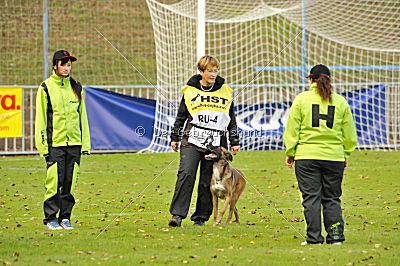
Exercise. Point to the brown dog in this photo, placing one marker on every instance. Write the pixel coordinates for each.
(226, 183)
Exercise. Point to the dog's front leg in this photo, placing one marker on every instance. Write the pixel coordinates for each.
(222, 212)
(215, 207)
(235, 211)
(231, 210)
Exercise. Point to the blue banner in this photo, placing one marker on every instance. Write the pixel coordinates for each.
(368, 106)
(119, 122)
(261, 126)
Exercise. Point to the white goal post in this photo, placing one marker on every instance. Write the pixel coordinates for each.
(265, 49)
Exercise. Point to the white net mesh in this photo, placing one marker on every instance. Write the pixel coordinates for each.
(264, 56)
(73, 25)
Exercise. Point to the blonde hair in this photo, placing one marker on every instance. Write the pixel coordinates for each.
(207, 61)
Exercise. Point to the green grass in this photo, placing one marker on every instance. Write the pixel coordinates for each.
(140, 235)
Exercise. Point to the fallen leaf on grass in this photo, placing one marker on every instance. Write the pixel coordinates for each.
(85, 252)
(366, 259)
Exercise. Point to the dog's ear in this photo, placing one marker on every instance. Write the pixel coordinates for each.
(230, 157)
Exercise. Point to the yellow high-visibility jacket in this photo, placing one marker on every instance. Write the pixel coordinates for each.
(61, 119)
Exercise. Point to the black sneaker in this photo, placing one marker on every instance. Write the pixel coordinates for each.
(175, 221)
(199, 223)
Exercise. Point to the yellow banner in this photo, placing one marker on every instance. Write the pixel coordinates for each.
(10, 112)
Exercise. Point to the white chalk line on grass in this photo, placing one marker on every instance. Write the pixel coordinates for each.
(192, 210)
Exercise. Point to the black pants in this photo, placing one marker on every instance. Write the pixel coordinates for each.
(189, 162)
(320, 183)
(62, 169)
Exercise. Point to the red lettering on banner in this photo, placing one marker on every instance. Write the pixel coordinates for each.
(10, 104)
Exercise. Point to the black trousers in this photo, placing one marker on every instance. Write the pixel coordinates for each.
(190, 157)
(62, 170)
(320, 183)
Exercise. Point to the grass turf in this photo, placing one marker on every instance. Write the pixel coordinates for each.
(142, 185)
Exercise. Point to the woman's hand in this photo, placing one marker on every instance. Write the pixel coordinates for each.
(289, 161)
(175, 145)
(235, 149)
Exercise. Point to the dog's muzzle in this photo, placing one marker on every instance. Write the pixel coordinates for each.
(213, 153)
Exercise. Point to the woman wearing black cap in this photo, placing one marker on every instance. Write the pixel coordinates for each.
(61, 134)
(320, 135)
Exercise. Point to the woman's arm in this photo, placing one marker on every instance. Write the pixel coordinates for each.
(349, 133)
(41, 122)
(180, 120)
(292, 129)
(84, 125)
(233, 131)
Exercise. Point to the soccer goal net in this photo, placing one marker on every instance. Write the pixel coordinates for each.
(265, 49)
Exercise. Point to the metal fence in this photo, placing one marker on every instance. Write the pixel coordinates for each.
(250, 95)
(26, 143)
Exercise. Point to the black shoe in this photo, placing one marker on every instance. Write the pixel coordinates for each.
(175, 221)
(199, 223)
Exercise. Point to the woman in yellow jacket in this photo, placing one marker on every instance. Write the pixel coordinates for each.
(61, 134)
(319, 137)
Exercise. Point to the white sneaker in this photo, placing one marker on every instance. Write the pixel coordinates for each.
(337, 243)
(66, 224)
(53, 226)
(305, 243)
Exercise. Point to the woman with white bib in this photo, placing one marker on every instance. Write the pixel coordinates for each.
(207, 109)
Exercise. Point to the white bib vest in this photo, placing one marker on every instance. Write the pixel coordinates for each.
(210, 113)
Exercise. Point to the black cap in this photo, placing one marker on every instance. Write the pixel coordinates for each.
(317, 70)
(62, 54)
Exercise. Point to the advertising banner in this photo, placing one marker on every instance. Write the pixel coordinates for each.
(10, 112)
(262, 126)
(119, 122)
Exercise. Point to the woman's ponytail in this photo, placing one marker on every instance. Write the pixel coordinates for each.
(324, 87)
(77, 88)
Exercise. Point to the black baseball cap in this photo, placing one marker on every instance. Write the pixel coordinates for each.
(317, 70)
(62, 54)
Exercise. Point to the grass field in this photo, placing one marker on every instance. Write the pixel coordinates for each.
(140, 235)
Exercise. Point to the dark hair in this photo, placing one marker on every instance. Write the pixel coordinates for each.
(76, 86)
(324, 87)
(63, 61)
